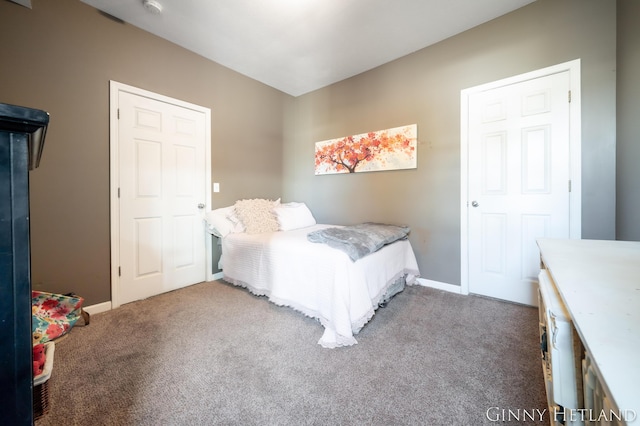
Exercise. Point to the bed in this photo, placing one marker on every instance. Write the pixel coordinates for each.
(315, 279)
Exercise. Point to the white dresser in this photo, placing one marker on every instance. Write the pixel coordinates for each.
(598, 283)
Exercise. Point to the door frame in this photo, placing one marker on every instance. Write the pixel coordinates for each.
(575, 154)
(114, 176)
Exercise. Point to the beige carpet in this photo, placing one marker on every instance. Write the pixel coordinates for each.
(213, 354)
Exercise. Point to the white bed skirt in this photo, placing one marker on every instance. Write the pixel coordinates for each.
(315, 279)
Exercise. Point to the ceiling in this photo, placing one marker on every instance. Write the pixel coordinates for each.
(298, 46)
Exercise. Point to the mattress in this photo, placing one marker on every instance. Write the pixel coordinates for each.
(315, 279)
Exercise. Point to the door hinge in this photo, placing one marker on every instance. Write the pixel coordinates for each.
(569, 185)
(118, 192)
(569, 96)
(118, 113)
(119, 271)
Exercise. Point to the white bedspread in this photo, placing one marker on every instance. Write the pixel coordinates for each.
(315, 279)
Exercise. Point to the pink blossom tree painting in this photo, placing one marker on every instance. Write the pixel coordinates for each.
(389, 149)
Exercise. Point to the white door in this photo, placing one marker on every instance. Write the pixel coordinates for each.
(162, 191)
(518, 182)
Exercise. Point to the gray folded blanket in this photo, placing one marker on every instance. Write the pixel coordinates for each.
(359, 240)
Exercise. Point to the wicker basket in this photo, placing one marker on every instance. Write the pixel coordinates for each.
(41, 384)
(40, 400)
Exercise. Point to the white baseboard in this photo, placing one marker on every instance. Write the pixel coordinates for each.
(100, 307)
(217, 276)
(440, 285)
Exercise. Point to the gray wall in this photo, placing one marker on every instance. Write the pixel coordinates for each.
(628, 107)
(59, 57)
(424, 88)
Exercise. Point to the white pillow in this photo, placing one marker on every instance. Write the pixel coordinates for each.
(235, 220)
(292, 216)
(218, 222)
(257, 215)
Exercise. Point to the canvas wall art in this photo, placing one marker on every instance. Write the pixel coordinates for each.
(389, 149)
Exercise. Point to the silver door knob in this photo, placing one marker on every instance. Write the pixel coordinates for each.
(201, 206)
(475, 204)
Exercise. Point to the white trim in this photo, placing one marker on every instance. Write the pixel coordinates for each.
(216, 276)
(464, 169)
(575, 153)
(439, 285)
(96, 309)
(114, 89)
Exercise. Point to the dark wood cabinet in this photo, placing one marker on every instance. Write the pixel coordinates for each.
(22, 132)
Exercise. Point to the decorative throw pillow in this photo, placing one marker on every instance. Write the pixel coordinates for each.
(53, 315)
(257, 215)
(292, 216)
